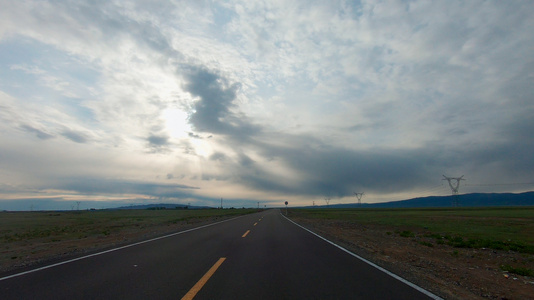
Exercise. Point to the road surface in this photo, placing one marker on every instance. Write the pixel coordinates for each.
(258, 256)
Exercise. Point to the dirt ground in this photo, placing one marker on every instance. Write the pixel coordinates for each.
(451, 273)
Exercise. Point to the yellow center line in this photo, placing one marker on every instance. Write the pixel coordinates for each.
(255, 223)
(196, 288)
(244, 235)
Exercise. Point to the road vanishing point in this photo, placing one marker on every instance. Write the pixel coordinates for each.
(257, 256)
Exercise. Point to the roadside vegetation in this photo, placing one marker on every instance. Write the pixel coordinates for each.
(457, 253)
(16, 226)
(508, 228)
(29, 237)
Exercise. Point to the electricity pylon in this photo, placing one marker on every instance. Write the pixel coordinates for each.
(454, 188)
(327, 201)
(359, 196)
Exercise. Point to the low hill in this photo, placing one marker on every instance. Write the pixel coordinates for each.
(162, 206)
(466, 200)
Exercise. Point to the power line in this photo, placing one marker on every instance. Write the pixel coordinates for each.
(454, 187)
(442, 188)
(432, 189)
(499, 184)
(359, 196)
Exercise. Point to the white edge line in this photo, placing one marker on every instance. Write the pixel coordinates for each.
(420, 289)
(111, 250)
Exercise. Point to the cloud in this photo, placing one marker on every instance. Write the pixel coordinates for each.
(39, 133)
(218, 156)
(213, 111)
(323, 170)
(283, 99)
(158, 141)
(193, 135)
(103, 186)
(74, 136)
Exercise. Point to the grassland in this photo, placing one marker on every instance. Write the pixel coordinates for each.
(31, 237)
(457, 253)
(509, 228)
(54, 226)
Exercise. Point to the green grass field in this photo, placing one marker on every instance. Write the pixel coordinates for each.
(58, 226)
(505, 228)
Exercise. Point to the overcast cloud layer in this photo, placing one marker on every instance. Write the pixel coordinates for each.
(192, 101)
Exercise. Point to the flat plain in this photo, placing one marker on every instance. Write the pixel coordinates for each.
(460, 253)
(31, 238)
(457, 253)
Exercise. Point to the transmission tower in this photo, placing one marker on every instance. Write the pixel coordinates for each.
(359, 196)
(327, 201)
(454, 188)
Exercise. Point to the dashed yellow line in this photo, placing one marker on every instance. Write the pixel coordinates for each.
(255, 223)
(196, 288)
(244, 235)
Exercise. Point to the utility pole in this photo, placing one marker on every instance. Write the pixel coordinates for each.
(221, 204)
(359, 196)
(454, 188)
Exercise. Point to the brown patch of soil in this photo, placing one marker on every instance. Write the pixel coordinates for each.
(451, 273)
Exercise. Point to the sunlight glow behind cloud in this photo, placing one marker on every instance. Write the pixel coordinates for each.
(129, 101)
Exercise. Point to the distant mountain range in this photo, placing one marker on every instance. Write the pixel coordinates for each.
(466, 200)
(159, 206)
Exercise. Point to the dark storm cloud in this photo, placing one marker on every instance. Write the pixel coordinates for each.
(336, 171)
(213, 110)
(516, 146)
(322, 169)
(328, 170)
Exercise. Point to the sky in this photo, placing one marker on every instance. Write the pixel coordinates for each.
(111, 103)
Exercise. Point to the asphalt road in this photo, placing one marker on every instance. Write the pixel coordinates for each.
(259, 256)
